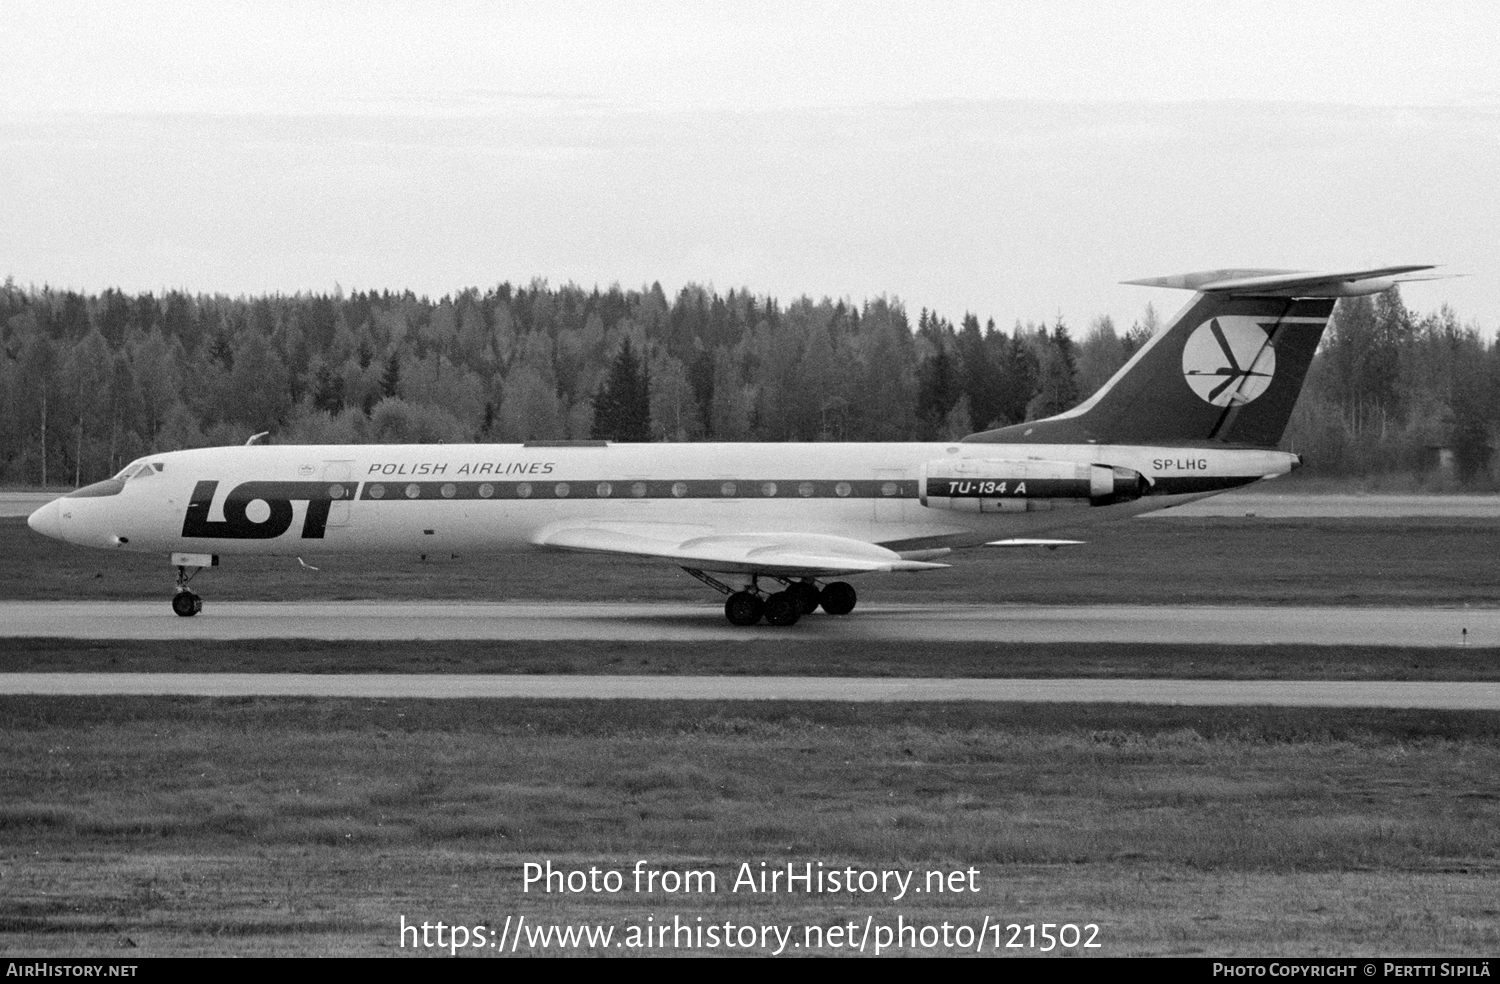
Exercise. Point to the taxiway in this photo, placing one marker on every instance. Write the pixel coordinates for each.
(1272, 693)
(704, 622)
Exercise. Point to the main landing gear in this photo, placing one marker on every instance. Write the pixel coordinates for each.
(751, 603)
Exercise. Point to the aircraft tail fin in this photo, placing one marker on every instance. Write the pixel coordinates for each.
(1228, 370)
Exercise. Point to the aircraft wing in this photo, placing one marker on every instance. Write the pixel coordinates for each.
(702, 548)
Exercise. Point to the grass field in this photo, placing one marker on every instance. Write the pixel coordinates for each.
(760, 657)
(148, 827)
(295, 826)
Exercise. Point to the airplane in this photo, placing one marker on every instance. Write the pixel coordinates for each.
(1197, 410)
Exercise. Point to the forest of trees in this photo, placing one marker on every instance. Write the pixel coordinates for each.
(89, 382)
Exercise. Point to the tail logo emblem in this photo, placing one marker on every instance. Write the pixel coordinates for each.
(1228, 360)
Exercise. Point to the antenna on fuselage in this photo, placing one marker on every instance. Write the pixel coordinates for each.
(256, 437)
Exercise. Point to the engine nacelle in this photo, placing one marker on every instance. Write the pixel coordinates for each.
(981, 485)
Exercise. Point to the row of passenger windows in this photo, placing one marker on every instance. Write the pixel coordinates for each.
(605, 490)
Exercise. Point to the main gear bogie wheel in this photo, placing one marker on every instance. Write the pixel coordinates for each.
(806, 594)
(782, 608)
(743, 608)
(838, 598)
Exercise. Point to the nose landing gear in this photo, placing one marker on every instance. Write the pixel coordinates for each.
(186, 602)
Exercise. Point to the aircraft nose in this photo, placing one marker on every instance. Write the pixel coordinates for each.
(48, 520)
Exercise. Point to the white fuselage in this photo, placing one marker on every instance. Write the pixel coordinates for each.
(499, 497)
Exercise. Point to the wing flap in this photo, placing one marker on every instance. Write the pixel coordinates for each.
(786, 554)
(1049, 544)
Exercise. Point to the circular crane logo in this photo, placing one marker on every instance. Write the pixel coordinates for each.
(1228, 360)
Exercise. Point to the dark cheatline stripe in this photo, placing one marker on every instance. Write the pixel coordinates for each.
(398, 491)
(1031, 488)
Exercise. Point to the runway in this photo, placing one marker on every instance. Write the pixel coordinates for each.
(1296, 505)
(15, 504)
(705, 622)
(1425, 695)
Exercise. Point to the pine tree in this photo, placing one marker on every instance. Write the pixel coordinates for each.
(1141, 331)
(622, 410)
(938, 391)
(1099, 355)
(328, 388)
(1057, 383)
(982, 380)
(390, 380)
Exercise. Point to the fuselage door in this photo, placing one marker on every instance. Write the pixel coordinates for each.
(340, 478)
(890, 505)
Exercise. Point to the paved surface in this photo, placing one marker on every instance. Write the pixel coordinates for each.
(1281, 506)
(640, 622)
(13, 504)
(1456, 696)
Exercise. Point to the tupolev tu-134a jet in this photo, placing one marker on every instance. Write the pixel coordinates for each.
(1197, 410)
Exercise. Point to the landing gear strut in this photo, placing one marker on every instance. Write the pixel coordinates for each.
(185, 603)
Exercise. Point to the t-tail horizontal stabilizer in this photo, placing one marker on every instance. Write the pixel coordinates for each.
(1289, 283)
(1225, 373)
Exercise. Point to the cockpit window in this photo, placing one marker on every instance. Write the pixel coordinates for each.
(139, 469)
(116, 485)
(110, 486)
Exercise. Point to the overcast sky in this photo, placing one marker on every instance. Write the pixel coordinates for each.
(1015, 160)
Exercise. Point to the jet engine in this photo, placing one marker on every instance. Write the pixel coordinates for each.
(990, 486)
